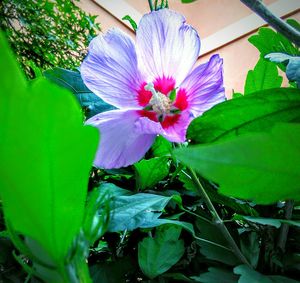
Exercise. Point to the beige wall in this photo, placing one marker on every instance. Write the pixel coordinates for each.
(207, 16)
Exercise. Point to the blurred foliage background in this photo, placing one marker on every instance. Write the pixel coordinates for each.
(45, 34)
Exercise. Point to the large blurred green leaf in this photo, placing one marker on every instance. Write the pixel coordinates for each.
(263, 76)
(256, 112)
(43, 185)
(159, 254)
(264, 167)
(73, 81)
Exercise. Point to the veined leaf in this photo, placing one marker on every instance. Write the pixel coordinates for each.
(263, 76)
(150, 172)
(255, 167)
(159, 254)
(253, 113)
(42, 138)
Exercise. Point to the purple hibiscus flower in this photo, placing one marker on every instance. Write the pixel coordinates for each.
(152, 83)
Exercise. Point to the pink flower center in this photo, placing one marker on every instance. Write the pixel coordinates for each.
(161, 101)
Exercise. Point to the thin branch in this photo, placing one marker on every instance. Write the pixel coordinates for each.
(278, 24)
(217, 219)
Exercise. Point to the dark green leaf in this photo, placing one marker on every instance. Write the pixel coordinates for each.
(237, 205)
(159, 254)
(264, 76)
(250, 275)
(112, 272)
(254, 167)
(256, 112)
(250, 247)
(214, 246)
(214, 275)
(150, 172)
(73, 81)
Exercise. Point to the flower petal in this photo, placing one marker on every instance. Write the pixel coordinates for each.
(166, 46)
(204, 86)
(175, 127)
(110, 69)
(122, 143)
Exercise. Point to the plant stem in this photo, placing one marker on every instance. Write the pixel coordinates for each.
(284, 229)
(150, 5)
(217, 219)
(278, 24)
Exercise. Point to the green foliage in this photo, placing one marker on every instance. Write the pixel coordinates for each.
(150, 172)
(264, 76)
(259, 111)
(46, 33)
(161, 147)
(250, 167)
(157, 255)
(213, 245)
(129, 212)
(175, 230)
(250, 275)
(72, 81)
(214, 275)
(43, 147)
(269, 41)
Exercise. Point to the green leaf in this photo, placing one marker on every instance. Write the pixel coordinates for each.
(268, 41)
(250, 247)
(159, 254)
(213, 245)
(134, 211)
(294, 23)
(95, 224)
(112, 272)
(214, 275)
(250, 275)
(161, 147)
(264, 76)
(264, 167)
(236, 205)
(131, 21)
(260, 220)
(150, 172)
(267, 221)
(42, 139)
(72, 81)
(253, 113)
